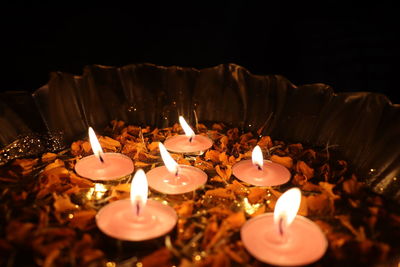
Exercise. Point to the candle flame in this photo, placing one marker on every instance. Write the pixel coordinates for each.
(169, 162)
(257, 157)
(96, 147)
(186, 128)
(139, 192)
(286, 208)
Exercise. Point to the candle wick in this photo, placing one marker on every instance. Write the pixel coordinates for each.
(137, 208)
(281, 226)
(259, 167)
(101, 159)
(190, 139)
(177, 173)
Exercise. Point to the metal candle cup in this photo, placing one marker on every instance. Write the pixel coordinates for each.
(103, 166)
(136, 219)
(181, 144)
(174, 178)
(272, 239)
(118, 220)
(190, 143)
(260, 172)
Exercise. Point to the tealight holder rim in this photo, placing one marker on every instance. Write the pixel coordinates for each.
(299, 217)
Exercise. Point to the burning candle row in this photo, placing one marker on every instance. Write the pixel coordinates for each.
(280, 238)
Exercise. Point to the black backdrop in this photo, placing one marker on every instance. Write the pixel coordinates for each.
(350, 47)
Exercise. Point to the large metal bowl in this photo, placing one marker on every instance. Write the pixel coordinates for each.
(364, 126)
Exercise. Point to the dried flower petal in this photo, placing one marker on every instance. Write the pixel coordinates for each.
(49, 157)
(83, 219)
(212, 155)
(265, 142)
(62, 203)
(221, 193)
(352, 186)
(256, 195)
(225, 173)
(285, 161)
(160, 258)
(185, 209)
(304, 169)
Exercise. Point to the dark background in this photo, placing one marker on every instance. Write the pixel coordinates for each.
(350, 47)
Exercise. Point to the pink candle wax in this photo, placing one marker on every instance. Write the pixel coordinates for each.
(303, 243)
(271, 173)
(119, 221)
(189, 179)
(114, 166)
(182, 144)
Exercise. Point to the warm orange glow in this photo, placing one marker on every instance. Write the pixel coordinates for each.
(257, 157)
(94, 142)
(139, 192)
(169, 162)
(186, 128)
(287, 206)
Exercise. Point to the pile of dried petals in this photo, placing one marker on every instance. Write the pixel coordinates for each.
(47, 218)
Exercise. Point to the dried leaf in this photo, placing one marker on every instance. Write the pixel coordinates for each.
(80, 182)
(203, 165)
(159, 258)
(62, 203)
(237, 253)
(319, 204)
(299, 179)
(49, 157)
(352, 186)
(236, 220)
(220, 212)
(83, 219)
(295, 149)
(328, 188)
(285, 161)
(76, 148)
(212, 155)
(225, 173)
(304, 169)
(265, 143)
(256, 195)
(139, 164)
(87, 148)
(345, 221)
(24, 166)
(51, 257)
(185, 209)
(109, 144)
(223, 142)
(19, 232)
(221, 193)
(153, 146)
(237, 188)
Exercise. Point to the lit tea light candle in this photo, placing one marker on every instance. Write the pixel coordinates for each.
(174, 178)
(137, 218)
(260, 172)
(188, 143)
(103, 166)
(284, 238)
